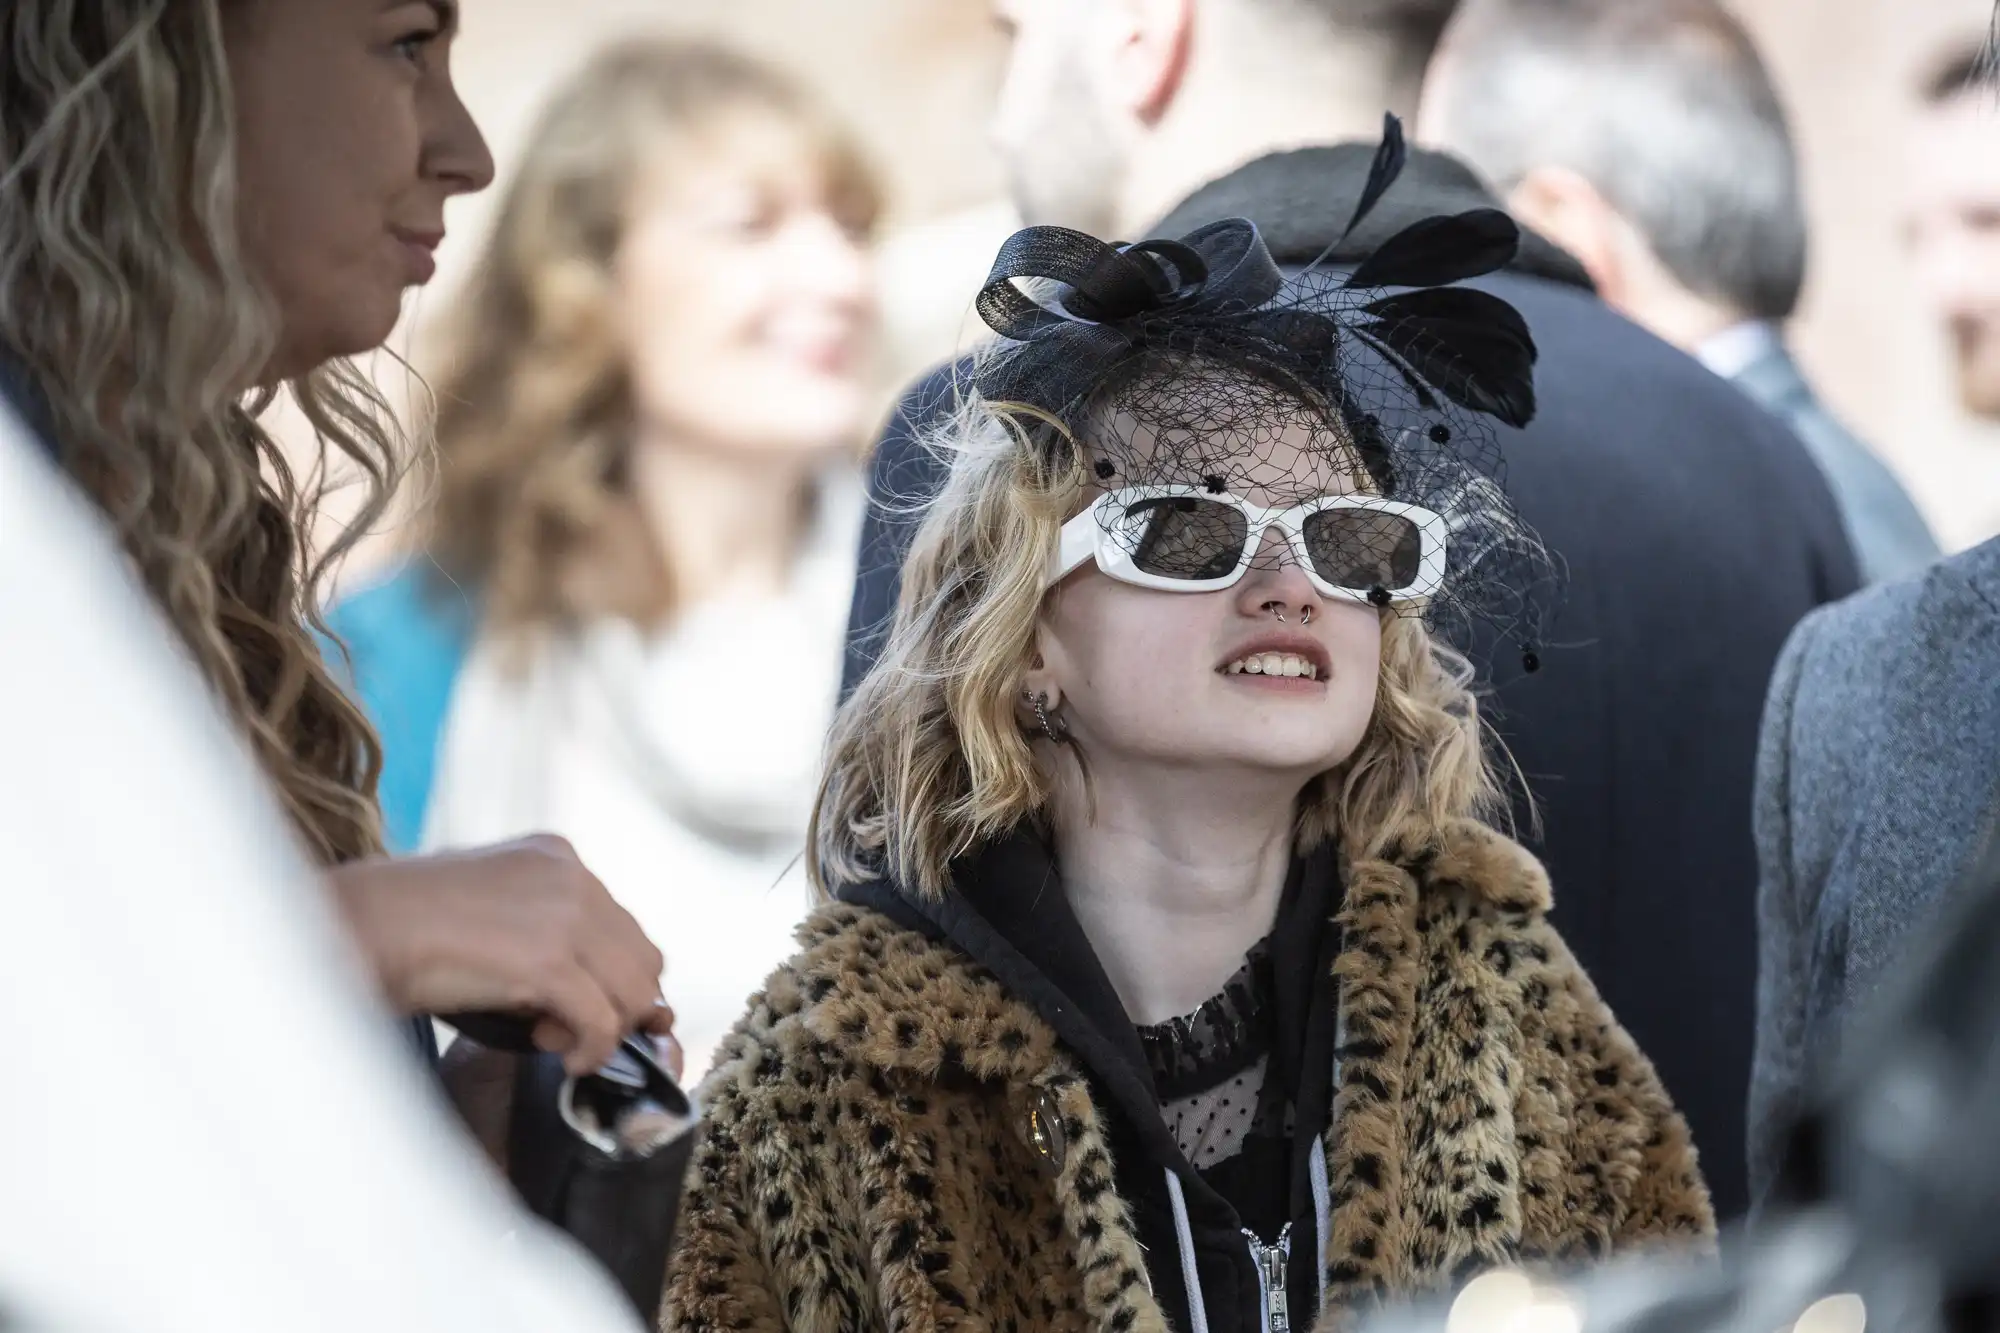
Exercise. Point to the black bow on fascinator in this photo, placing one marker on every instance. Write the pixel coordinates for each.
(1199, 361)
(1097, 302)
(1221, 269)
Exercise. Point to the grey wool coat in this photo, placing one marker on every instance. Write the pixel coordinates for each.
(1878, 787)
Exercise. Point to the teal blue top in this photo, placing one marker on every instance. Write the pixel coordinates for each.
(406, 638)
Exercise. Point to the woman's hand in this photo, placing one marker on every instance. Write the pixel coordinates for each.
(522, 927)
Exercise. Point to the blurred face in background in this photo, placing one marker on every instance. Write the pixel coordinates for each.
(1052, 127)
(1954, 234)
(745, 295)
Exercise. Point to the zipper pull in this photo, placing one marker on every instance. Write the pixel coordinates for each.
(1272, 1262)
(1277, 1258)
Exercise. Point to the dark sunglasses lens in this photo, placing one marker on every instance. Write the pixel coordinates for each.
(1185, 537)
(1364, 548)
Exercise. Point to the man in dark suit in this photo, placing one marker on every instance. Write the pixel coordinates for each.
(1696, 529)
(1679, 194)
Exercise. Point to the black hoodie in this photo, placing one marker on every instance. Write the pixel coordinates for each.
(1008, 912)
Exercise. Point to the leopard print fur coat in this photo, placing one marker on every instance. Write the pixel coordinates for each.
(896, 1143)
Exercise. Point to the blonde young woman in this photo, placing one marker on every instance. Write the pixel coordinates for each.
(1173, 979)
(626, 622)
(204, 203)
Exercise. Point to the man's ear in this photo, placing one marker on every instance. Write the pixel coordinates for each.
(1562, 206)
(1149, 43)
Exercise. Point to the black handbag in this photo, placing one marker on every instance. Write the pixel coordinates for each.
(603, 1156)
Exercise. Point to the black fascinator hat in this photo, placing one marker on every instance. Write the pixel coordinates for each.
(1199, 363)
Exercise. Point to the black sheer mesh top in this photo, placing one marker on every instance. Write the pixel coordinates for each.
(1209, 1070)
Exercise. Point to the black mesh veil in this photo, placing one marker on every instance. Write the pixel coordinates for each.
(1197, 366)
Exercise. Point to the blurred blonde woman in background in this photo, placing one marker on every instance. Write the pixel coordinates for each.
(626, 622)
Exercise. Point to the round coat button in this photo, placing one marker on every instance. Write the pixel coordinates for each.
(1045, 1130)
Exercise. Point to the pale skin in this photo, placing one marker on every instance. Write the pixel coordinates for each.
(1176, 867)
(1567, 208)
(748, 305)
(354, 139)
(1952, 226)
(1113, 111)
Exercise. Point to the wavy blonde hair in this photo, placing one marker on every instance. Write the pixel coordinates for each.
(125, 294)
(535, 410)
(927, 760)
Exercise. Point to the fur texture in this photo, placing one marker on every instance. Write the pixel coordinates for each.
(869, 1162)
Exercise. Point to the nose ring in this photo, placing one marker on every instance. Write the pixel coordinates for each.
(1305, 615)
(1277, 609)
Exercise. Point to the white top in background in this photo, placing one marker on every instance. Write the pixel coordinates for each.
(682, 766)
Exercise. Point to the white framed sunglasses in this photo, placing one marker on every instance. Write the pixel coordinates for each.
(1188, 539)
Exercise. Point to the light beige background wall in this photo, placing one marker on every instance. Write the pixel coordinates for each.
(915, 76)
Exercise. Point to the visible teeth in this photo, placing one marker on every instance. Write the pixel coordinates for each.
(1274, 664)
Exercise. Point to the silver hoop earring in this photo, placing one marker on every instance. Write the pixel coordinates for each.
(1056, 737)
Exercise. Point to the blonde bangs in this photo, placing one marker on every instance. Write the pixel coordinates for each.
(774, 142)
(928, 760)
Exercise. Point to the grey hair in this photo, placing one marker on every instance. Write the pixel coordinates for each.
(1404, 34)
(1665, 107)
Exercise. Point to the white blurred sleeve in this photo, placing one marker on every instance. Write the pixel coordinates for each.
(206, 1125)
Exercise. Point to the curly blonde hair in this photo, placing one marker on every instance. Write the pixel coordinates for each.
(125, 294)
(535, 409)
(927, 760)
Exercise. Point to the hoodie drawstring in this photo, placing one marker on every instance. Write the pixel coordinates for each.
(1322, 1217)
(1184, 1234)
(1197, 1312)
